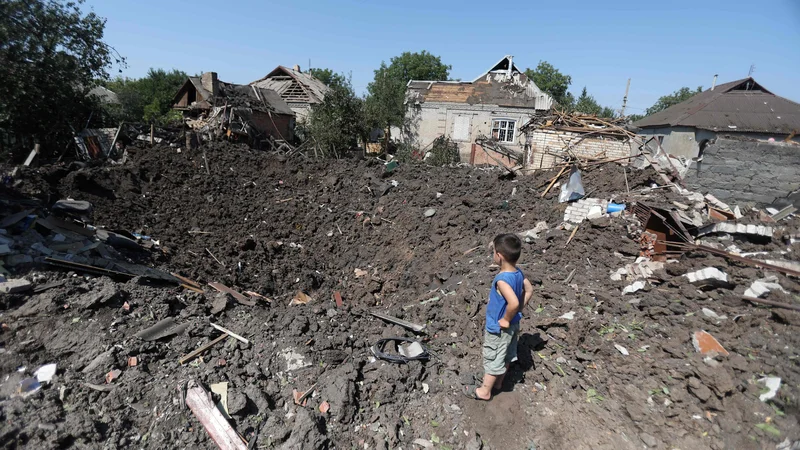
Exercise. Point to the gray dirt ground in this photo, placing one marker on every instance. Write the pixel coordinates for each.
(281, 226)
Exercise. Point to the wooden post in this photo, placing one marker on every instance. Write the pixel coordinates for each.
(152, 131)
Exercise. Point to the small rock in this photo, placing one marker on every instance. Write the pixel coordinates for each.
(622, 349)
(569, 316)
(648, 440)
(423, 443)
(711, 314)
(219, 303)
(561, 360)
(429, 212)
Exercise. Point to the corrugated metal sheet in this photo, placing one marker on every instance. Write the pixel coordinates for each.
(730, 107)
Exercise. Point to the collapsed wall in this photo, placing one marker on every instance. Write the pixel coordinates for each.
(747, 171)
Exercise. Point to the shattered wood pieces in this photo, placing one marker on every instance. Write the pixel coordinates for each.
(574, 231)
(408, 325)
(707, 345)
(199, 402)
(337, 298)
(300, 398)
(192, 355)
(771, 303)
(230, 333)
(301, 298)
(236, 295)
(100, 387)
(86, 268)
(215, 258)
(257, 296)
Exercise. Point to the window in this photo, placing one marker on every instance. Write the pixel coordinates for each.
(503, 130)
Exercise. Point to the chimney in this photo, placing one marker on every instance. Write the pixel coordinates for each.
(714, 83)
(210, 83)
(296, 67)
(510, 65)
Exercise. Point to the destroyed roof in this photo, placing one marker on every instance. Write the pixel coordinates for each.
(503, 85)
(242, 95)
(293, 86)
(742, 105)
(104, 94)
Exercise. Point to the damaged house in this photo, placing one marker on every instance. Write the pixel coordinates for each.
(741, 109)
(300, 90)
(213, 108)
(742, 139)
(491, 108)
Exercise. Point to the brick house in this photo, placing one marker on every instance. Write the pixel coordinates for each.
(213, 107)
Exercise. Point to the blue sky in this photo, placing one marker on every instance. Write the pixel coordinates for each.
(660, 45)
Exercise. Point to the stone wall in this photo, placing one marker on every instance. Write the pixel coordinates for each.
(746, 171)
(543, 142)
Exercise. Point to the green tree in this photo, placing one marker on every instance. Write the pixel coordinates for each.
(676, 97)
(586, 104)
(328, 76)
(385, 104)
(418, 66)
(51, 53)
(337, 123)
(553, 82)
(148, 99)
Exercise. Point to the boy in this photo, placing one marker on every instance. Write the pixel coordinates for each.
(503, 314)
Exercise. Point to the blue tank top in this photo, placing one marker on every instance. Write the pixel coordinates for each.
(496, 308)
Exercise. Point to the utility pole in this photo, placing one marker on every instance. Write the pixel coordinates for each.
(625, 99)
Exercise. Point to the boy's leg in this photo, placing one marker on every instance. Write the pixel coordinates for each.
(511, 354)
(494, 353)
(484, 391)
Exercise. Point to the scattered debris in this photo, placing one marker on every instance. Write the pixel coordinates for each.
(300, 397)
(772, 384)
(192, 355)
(621, 349)
(221, 432)
(324, 407)
(409, 325)
(15, 286)
(221, 389)
(413, 351)
(710, 276)
(113, 375)
(45, 373)
(301, 298)
(761, 287)
(230, 333)
(568, 316)
(711, 314)
(636, 286)
(236, 295)
(163, 328)
(706, 344)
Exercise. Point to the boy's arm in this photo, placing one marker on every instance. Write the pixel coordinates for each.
(528, 292)
(512, 303)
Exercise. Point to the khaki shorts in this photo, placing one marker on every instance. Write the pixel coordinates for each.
(500, 349)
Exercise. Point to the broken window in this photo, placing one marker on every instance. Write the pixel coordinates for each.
(503, 130)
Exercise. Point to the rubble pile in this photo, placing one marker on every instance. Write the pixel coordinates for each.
(340, 304)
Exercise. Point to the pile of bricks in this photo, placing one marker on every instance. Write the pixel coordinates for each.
(585, 208)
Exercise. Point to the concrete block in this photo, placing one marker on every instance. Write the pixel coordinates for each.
(15, 286)
(706, 276)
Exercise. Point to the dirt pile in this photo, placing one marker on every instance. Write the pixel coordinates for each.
(409, 242)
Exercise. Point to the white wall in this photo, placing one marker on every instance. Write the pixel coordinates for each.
(431, 120)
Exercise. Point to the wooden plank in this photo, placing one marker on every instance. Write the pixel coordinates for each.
(554, 181)
(192, 355)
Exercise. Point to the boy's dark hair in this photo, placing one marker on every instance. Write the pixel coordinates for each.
(509, 245)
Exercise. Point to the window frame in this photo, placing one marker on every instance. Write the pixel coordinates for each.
(513, 128)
